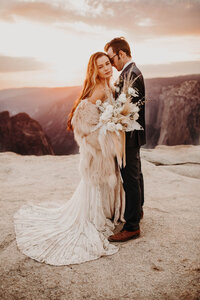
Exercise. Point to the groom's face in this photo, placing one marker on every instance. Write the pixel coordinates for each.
(116, 60)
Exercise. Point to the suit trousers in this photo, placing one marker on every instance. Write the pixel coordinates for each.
(134, 188)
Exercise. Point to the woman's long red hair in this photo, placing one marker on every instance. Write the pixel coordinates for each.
(90, 82)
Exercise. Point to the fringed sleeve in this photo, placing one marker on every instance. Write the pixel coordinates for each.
(98, 150)
(85, 118)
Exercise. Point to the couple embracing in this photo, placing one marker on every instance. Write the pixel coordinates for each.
(111, 188)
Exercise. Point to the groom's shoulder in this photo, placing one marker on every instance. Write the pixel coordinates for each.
(131, 70)
(135, 70)
(136, 74)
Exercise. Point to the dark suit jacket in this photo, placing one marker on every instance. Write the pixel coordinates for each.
(135, 138)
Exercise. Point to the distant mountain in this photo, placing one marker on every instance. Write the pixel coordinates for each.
(50, 107)
(34, 101)
(54, 123)
(23, 135)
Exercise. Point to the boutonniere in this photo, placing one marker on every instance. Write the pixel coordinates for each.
(119, 84)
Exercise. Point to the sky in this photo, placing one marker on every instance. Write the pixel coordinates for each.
(48, 42)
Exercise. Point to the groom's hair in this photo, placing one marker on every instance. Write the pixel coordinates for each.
(118, 44)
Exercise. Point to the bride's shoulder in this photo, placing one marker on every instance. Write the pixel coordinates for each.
(85, 110)
(85, 104)
(85, 116)
(98, 93)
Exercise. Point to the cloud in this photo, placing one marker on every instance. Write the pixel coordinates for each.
(141, 18)
(35, 11)
(19, 64)
(149, 18)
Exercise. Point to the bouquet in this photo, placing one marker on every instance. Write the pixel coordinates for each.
(118, 116)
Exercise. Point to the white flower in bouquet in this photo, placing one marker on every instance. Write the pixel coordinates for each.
(105, 104)
(105, 116)
(117, 89)
(122, 98)
(132, 92)
(134, 116)
(115, 119)
(119, 126)
(111, 126)
(107, 113)
(117, 110)
(134, 108)
(98, 102)
(109, 108)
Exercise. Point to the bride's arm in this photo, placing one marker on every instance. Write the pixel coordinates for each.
(85, 118)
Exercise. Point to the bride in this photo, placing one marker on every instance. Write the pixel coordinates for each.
(78, 230)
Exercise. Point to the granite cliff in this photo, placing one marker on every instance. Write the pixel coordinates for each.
(180, 122)
(23, 135)
(172, 114)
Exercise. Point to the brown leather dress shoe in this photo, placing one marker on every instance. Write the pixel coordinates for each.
(124, 236)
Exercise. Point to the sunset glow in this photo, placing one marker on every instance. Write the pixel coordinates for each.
(48, 43)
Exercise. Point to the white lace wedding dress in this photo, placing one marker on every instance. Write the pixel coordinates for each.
(77, 231)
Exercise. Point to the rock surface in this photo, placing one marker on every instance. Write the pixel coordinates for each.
(162, 264)
(23, 135)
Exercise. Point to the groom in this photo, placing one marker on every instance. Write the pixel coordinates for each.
(120, 56)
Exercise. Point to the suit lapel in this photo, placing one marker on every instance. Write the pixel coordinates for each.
(131, 65)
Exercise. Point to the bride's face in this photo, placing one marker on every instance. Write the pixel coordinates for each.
(104, 67)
